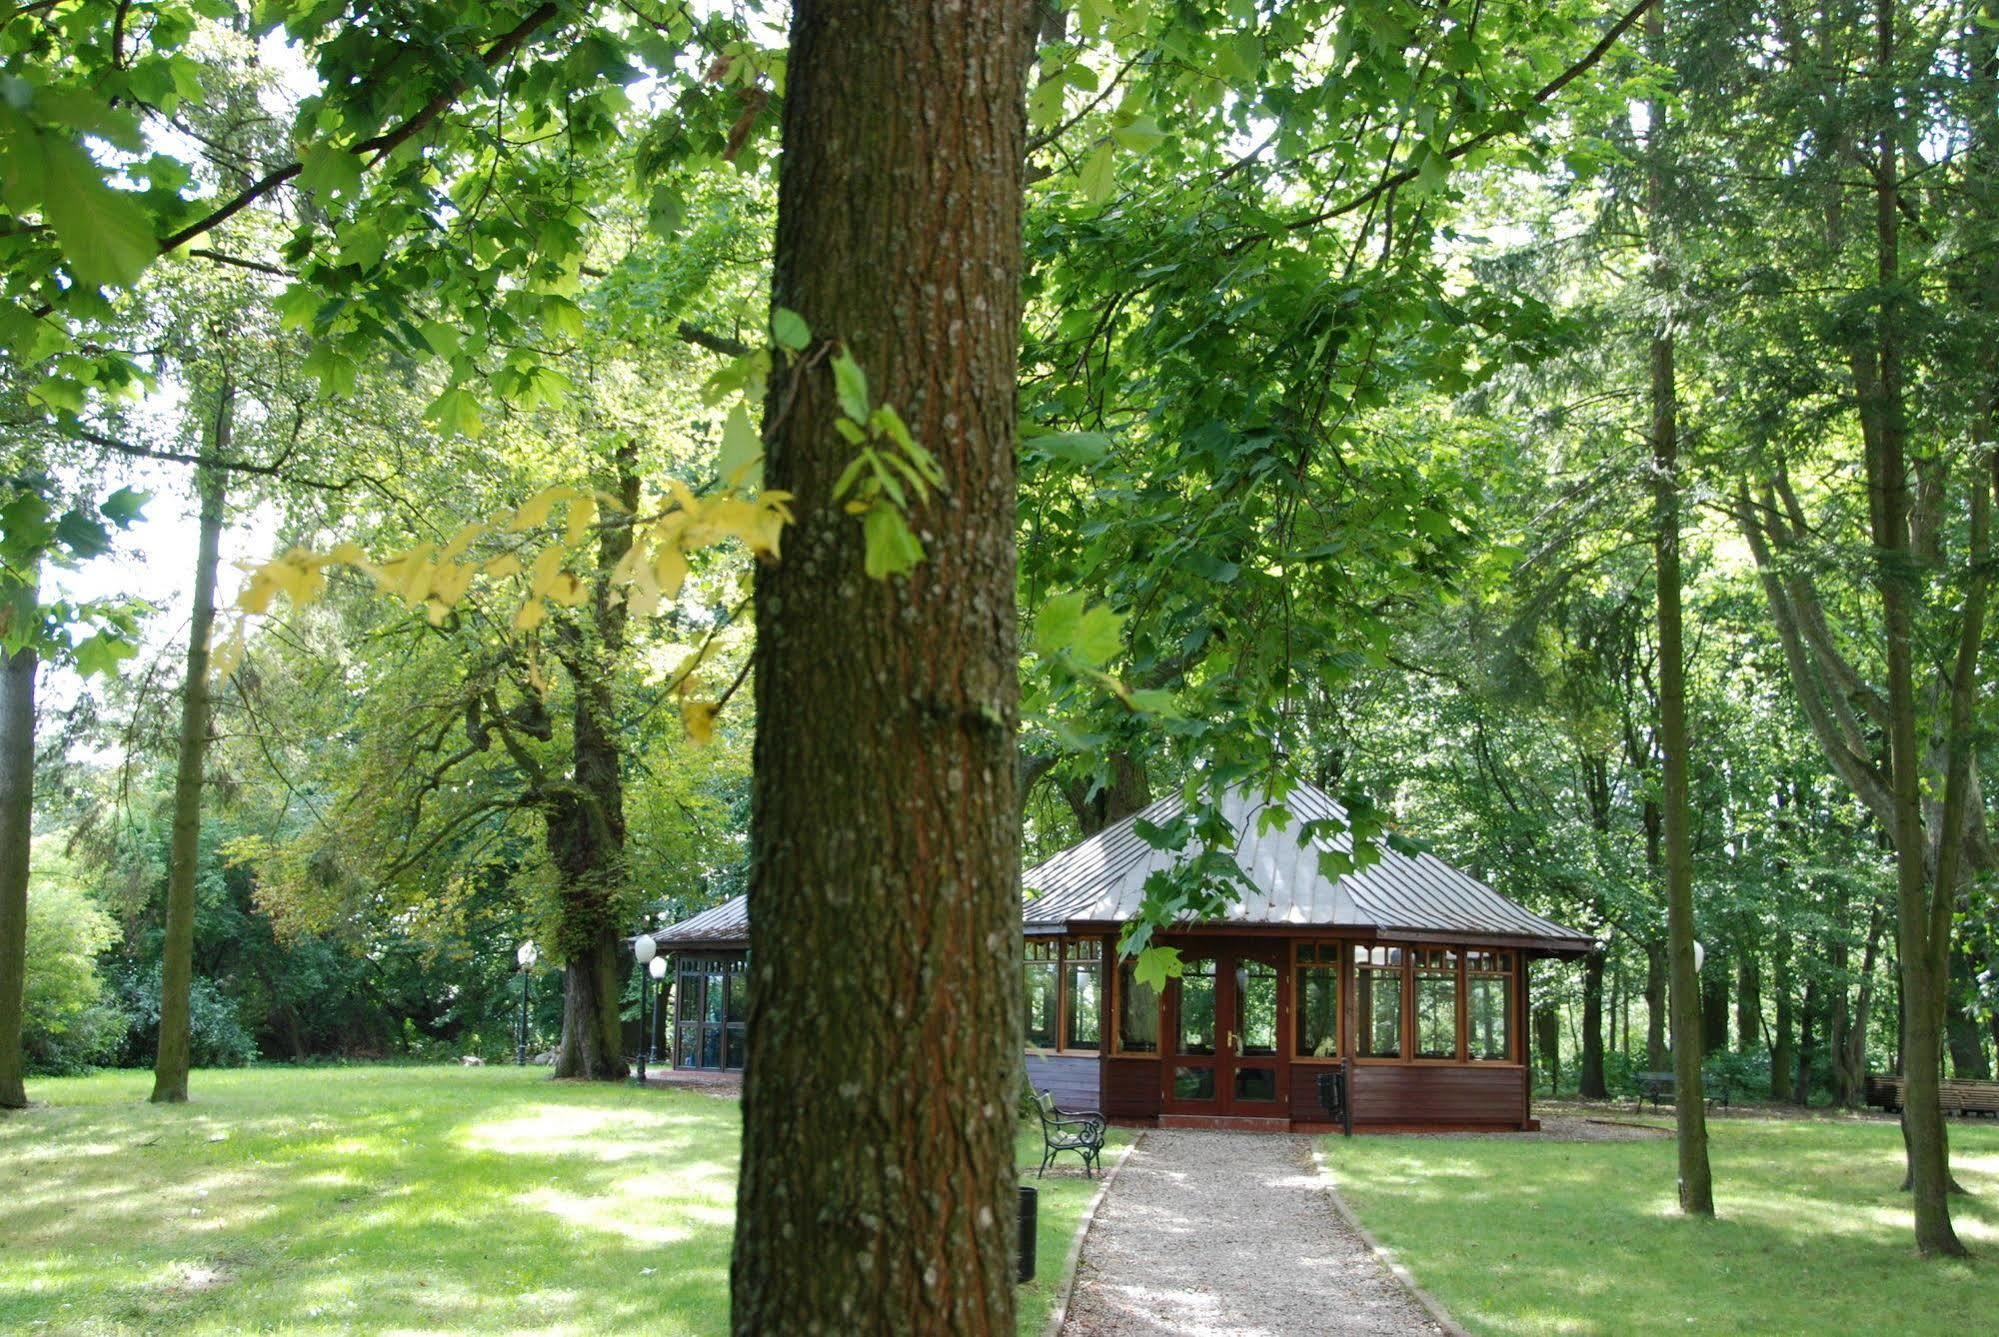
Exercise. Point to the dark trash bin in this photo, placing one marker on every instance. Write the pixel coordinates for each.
(1030, 1213)
(1333, 1098)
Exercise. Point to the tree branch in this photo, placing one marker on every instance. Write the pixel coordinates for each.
(1458, 150)
(380, 145)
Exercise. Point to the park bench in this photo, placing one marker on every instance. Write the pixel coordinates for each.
(1080, 1131)
(1658, 1087)
(1957, 1095)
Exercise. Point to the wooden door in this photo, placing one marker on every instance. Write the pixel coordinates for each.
(1256, 1072)
(1222, 1046)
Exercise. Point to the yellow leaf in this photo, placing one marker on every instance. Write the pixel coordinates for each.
(546, 568)
(348, 554)
(582, 515)
(669, 571)
(699, 719)
(503, 566)
(534, 511)
(530, 616)
(460, 542)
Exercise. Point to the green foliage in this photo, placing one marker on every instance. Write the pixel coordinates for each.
(68, 1024)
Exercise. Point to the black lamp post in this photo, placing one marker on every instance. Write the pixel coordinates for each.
(527, 955)
(647, 952)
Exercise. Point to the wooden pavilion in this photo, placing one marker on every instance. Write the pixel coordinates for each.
(1409, 975)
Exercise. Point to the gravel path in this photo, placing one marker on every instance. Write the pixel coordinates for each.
(1229, 1233)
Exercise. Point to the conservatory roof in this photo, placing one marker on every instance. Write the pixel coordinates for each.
(1099, 883)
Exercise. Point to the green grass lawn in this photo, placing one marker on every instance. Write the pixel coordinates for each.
(1519, 1237)
(415, 1199)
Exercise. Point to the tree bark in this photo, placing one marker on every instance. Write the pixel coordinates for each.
(1714, 1007)
(1962, 1023)
(17, 813)
(1589, 1072)
(1656, 1056)
(1878, 377)
(1783, 1044)
(1696, 1181)
(1748, 1001)
(1807, 1011)
(586, 819)
(1548, 1044)
(885, 829)
(170, 1065)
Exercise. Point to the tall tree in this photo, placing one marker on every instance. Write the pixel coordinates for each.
(177, 962)
(1696, 1180)
(17, 801)
(885, 826)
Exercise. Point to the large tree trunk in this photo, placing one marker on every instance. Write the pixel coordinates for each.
(17, 812)
(1656, 1055)
(1748, 1001)
(1807, 1012)
(1783, 1044)
(1589, 1071)
(170, 1065)
(1924, 951)
(586, 819)
(1696, 1182)
(885, 829)
(1548, 1044)
(1965, 1034)
(1714, 1007)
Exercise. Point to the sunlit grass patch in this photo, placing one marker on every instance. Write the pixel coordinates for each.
(1814, 1236)
(321, 1201)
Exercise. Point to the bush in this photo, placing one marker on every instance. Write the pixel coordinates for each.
(217, 1036)
(67, 1025)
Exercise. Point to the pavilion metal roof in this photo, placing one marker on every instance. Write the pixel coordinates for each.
(1100, 882)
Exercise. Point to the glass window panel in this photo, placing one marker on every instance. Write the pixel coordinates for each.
(689, 1052)
(1197, 1008)
(739, 987)
(1378, 1013)
(1193, 1083)
(690, 998)
(711, 1046)
(1138, 1012)
(1318, 1007)
(1489, 1016)
(1041, 979)
(1256, 1007)
(1084, 1004)
(1436, 1014)
(1256, 1083)
(716, 988)
(734, 1058)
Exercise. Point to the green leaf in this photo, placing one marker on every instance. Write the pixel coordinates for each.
(100, 654)
(82, 535)
(106, 234)
(1142, 136)
(790, 330)
(1099, 635)
(1155, 966)
(1055, 625)
(1097, 177)
(1085, 448)
(124, 506)
(741, 462)
(891, 549)
(456, 412)
(329, 170)
(852, 384)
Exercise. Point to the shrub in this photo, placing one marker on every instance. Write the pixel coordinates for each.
(217, 1036)
(67, 1024)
